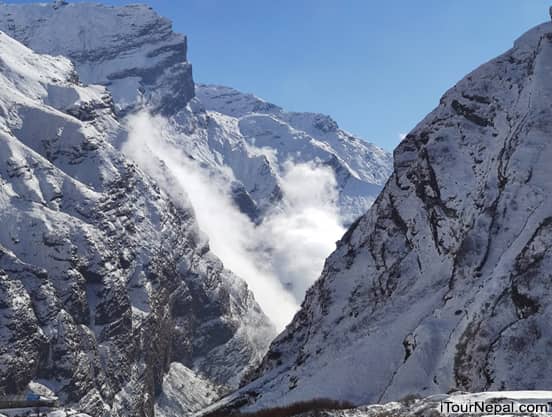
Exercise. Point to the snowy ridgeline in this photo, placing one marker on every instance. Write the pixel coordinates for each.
(361, 168)
(141, 57)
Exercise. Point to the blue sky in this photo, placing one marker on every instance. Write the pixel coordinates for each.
(377, 67)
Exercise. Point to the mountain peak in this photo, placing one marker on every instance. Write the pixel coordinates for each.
(130, 48)
(228, 100)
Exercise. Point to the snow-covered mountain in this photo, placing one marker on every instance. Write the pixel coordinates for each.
(134, 52)
(445, 282)
(297, 177)
(361, 168)
(130, 49)
(109, 295)
(111, 299)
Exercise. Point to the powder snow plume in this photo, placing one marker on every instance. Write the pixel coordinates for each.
(279, 258)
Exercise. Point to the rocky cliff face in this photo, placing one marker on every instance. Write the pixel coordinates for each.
(106, 284)
(445, 282)
(130, 49)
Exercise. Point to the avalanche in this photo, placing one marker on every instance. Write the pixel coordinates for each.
(245, 146)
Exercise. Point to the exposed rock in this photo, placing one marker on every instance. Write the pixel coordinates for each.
(104, 280)
(141, 58)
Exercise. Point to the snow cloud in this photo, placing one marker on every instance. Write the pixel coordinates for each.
(302, 232)
(279, 258)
